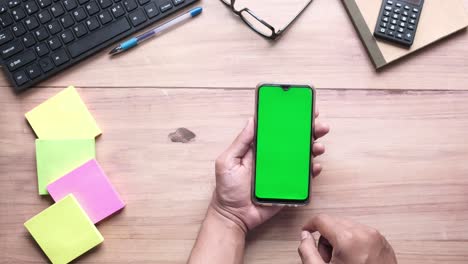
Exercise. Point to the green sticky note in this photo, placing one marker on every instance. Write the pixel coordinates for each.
(64, 231)
(55, 158)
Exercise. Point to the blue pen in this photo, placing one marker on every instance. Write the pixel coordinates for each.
(155, 31)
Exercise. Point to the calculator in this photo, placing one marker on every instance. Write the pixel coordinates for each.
(398, 21)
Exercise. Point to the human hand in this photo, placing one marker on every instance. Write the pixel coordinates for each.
(343, 242)
(232, 196)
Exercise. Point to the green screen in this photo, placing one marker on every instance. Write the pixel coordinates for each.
(284, 123)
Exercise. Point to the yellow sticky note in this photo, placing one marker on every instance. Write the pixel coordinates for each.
(63, 116)
(64, 231)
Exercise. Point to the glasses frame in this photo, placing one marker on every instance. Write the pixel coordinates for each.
(274, 33)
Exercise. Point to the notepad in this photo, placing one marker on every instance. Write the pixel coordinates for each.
(63, 116)
(91, 187)
(64, 231)
(55, 158)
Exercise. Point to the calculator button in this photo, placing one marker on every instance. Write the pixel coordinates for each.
(383, 24)
(386, 13)
(392, 27)
(382, 30)
(404, 19)
(408, 36)
(395, 16)
(405, 13)
(410, 27)
(398, 5)
(394, 22)
(390, 2)
(397, 11)
(401, 30)
(415, 10)
(402, 24)
(388, 8)
(412, 21)
(385, 19)
(390, 33)
(399, 35)
(414, 16)
(407, 7)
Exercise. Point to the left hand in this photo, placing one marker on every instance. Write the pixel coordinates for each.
(232, 196)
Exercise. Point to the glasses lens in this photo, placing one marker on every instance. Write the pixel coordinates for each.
(256, 24)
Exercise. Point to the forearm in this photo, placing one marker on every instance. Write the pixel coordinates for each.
(220, 241)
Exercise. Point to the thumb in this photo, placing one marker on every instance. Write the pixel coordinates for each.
(308, 250)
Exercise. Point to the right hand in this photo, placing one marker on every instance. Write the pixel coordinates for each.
(343, 242)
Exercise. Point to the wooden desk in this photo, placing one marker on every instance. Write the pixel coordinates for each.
(396, 155)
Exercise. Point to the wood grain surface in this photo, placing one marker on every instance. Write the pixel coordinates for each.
(395, 160)
(217, 50)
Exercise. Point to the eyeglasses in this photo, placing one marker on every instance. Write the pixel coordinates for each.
(257, 24)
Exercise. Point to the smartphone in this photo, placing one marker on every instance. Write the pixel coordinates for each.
(283, 141)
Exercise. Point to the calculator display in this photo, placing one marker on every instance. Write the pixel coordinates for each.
(414, 2)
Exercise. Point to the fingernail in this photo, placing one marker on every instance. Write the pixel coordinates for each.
(305, 235)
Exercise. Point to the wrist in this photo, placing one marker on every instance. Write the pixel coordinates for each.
(226, 216)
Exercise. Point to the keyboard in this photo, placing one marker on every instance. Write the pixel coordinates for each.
(40, 38)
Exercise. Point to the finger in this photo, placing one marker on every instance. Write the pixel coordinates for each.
(325, 249)
(308, 251)
(326, 225)
(318, 149)
(317, 113)
(320, 130)
(316, 169)
(242, 143)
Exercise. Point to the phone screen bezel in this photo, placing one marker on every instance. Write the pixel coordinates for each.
(273, 201)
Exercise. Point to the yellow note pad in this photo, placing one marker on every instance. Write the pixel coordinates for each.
(63, 116)
(64, 231)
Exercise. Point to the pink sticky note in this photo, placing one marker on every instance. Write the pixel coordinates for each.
(91, 187)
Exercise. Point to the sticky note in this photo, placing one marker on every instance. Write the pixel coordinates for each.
(63, 116)
(55, 158)
(91, 187)
(64, 231)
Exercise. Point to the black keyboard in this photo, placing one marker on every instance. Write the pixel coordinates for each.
(39, 38)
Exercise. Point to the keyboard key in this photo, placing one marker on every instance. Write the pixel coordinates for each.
(98, 37)
(11, 49)
(105, 17)
(117, 10)
(67, 21)
(44, 16)
(130, 5)
(18, 13)
(6, 20)
(28, 40)
(82, 1)
(33, 71)
(166, 6)
(92, 23)
(137, 17)
(80, 30)
(70, 4)
(46, 64)
(178, 2)
(20, 78)
(60, 57)
(79, 14)
(105, 3)
(5, 36)
(18, 29)
(57, 10)
(41, 34)
(41, 49)
(143, 2)
(67, 36)
(92, 8)
(152, 10)
(13, 3)
(54, 27)
(31, 23)
(54, 43)
(44, 3)
(21, 60)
